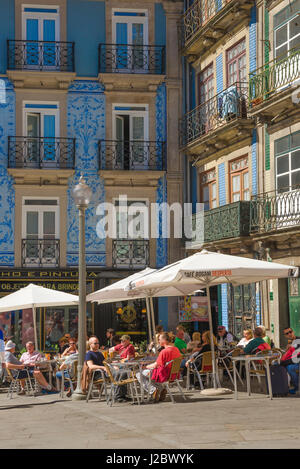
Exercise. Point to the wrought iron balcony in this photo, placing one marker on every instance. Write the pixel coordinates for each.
(40, 252)
(207, 21)
(275, 76)
(131, 58)
(228, 221)
(40, 55)
(132, 155)
(41, 152)
(130, 254)
(224, 108)
(273, 211)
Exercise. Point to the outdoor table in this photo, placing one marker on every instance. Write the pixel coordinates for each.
(138, 364)
(247, 359)
(46, 365)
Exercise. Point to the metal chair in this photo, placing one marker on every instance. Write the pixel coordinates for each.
(72, 378)
(259, 369)
(225, 363)
(175, 369)
(15, 383)
(131, 382)
(99, 383)
(204, 360)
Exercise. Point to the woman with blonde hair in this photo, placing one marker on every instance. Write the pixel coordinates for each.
(248, 335)
(195, 343)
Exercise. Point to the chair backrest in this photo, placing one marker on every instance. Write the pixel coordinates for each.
(175, 367)
(74, 368)
(9, 374)
(109, 372)
(206, 362)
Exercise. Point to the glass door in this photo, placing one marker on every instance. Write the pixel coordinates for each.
(139, 155)
(32, 147)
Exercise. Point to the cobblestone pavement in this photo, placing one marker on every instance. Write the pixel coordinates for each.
(47, 421)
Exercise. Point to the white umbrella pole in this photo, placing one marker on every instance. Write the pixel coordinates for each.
(149, 319)
(212, 345)
(153, 321)
(34, 326)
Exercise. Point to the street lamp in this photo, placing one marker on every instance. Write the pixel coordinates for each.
(82, 195)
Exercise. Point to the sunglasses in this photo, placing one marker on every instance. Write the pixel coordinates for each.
(95, 343)
(288, 332)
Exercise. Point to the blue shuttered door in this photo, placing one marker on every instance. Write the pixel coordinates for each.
(49, 141)
(138, 49)
(49, 55)
(121, 38)
(32, 48)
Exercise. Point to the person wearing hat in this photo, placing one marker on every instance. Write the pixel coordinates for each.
(18, 369)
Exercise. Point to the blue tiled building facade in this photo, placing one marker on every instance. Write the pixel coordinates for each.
(85, 89)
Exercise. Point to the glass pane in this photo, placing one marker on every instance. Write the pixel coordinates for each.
(33, 125)
(296, 179)
(205, 193)
(236, 183)
(138, 128)
(281, 51)
(295, 159)
(236, 197)
(49, 223)
(32, 223)
(214, 191)
(281, 36)
(294, 27)
(281, 145)
(246, 181)
(283, 164)
(283, 183)
(247, 195)
(295, 43)
(295, 140)
(138, 33)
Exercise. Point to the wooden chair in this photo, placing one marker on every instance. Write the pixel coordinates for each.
(131, 382)
(175, 369)
(100, 384)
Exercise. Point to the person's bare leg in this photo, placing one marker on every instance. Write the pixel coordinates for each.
(41, 380)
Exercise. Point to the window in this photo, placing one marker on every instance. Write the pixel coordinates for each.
(287, 30)
(209, 189)
(236, 63)
(40, 128)
(41, 23)
(287, 157)
(130, 33)
(40, 231)
(130, 132)
(206, 84)
(239, 179)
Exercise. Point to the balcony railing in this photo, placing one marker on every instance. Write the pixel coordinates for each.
(274, 76)
(40, 55)
(214, 113)
(40, 252)
(131, 58)
(199, 13)
(228, 221)
(273, 211)
(41, 152)
(132, 155)
(130, 254)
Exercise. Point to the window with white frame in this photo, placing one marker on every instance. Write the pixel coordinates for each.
(287, 30)
(287, 157)
(40, 230)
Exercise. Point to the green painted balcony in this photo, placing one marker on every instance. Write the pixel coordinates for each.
(225, 222)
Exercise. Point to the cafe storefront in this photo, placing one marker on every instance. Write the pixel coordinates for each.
(52, 323)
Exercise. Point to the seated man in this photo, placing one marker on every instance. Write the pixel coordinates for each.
(127, 352)
(125, 349)
(94, 358)
(18, 369)
(179, 341)
(29, 359)
(251, 347)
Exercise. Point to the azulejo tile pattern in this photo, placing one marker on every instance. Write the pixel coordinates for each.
(161, 193)
(7, 196)
(86, 123)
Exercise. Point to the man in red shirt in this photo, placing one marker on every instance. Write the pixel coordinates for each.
(125, 349)
(168, 353)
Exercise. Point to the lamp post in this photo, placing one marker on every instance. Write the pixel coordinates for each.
(82, 195)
